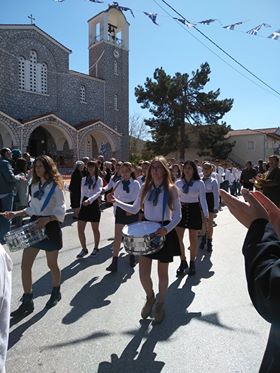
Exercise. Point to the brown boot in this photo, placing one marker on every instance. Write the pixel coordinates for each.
(159, 313)
(148, 307)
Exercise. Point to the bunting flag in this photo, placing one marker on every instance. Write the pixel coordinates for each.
(275, 35)
(152, 16)
(233, 25)
(123, 8)
(255, 30)
(207, 21)
(185, 22)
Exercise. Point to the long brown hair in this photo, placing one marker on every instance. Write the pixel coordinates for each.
(51, 171)
(167, 180)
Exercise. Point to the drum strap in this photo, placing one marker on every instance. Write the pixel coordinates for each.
(164, 203)
(47, 200)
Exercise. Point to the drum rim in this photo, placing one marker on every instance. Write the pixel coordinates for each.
(143, 223)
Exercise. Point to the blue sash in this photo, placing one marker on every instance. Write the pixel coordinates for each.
(47, 200)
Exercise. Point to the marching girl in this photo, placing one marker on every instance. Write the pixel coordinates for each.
(144, 167)
(158, 187)
(48, 208)
(91, 188)
(192, 196)
(126, 190)
(212, 198)
(114, 179)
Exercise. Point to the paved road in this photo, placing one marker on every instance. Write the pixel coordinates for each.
(210, 325)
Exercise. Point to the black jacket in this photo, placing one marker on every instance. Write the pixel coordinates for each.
(261, 250)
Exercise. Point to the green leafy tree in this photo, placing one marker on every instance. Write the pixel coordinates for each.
(177, 101)
(212, 141)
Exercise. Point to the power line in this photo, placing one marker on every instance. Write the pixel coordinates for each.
(222, 50)
(217, 55)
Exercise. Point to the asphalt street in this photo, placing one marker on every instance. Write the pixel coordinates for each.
(210, 326)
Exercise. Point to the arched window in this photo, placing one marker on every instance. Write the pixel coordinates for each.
(116, 103)
(32, 75)
(115, 68)
(21, 73)
(82, 93)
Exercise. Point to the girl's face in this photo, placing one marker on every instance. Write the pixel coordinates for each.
(206, 171)
(91, 170)
(125, 172)
(40, 169)
(81, 167)
(157, 171)
(188, 171)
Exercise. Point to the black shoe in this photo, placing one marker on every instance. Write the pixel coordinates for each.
(203, 242)
(209, 245)
(54, 299)
(181, 271)
(82, 253)
(192, 270)
(94, 251)
(25, 308)
(132, 261)
(113, 267)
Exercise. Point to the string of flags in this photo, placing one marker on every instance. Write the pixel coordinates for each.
(275, 35)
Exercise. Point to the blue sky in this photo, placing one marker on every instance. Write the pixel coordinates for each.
(171, 47)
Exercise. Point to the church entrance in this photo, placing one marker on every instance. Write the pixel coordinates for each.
(41, 142)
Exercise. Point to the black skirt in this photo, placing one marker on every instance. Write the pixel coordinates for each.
(191, 216)
(170, 249)
(91, 212)
(210, 201)
(123, 217)
(53, 242)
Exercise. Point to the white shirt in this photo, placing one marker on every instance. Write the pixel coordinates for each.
(211, 186)
(56, 205)
(140, 179)
(111, 184)
(196, 194)
(5, 301)
(154, 213)
(122, 195)
(89, 193)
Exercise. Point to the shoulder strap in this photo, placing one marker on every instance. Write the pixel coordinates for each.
(164, 203)
(47, 200)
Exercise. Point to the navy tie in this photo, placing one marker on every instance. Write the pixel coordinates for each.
(155, 192)
(187, 186)
(89, 181)
(125, 184)
(39, 193)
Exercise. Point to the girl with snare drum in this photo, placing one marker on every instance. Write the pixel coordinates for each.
(160, 200)
(47, 208)
(126, 190)
(193, 198)
(91, 188)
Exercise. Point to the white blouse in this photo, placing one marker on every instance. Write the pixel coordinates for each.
(211, 186)
(122, 195)
(196, 194)
(89, 193)
(111, 184)
(56, 205)
(154, 213)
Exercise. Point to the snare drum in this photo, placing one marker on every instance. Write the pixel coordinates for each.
(140, 239)
(24, 237)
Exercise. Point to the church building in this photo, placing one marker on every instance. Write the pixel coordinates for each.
(45, 108)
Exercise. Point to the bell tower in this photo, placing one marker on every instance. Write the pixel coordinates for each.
(108, 60)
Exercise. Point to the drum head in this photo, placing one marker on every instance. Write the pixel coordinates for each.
(140, 229)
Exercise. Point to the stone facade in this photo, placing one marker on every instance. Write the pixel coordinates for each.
(60, 110)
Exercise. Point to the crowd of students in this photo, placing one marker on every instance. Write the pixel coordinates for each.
(179, 196)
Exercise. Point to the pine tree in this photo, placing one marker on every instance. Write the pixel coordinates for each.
(177, 101)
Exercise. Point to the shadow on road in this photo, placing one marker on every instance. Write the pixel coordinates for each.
(16, 334)
(94, 295)
(43, 285)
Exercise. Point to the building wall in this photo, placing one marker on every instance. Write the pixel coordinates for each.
(63, 96)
